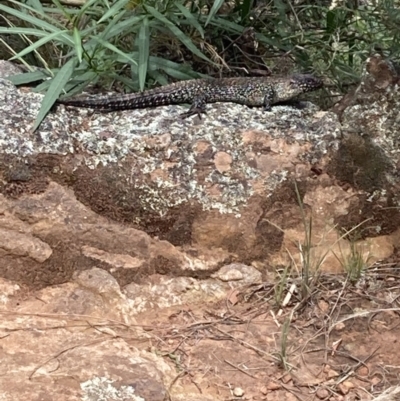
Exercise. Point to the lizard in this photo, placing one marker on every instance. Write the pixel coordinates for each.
(249, 91)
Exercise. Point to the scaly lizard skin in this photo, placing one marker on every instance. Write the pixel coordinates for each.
(249, 91)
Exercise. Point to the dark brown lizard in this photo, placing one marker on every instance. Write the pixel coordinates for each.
(249, 91)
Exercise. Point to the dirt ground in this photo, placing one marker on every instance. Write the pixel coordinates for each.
(339, 343)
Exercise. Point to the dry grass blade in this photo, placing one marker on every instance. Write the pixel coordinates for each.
(391, 394)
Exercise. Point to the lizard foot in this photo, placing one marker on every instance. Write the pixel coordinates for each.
(192, 112)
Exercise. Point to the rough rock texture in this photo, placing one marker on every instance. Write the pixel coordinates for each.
(48, 236)
(222, 189)
(368, 157)
(75, 340)
(72, 341)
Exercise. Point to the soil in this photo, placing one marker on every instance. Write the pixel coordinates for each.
(338, 342)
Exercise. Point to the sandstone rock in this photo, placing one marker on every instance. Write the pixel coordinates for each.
(217, 184)
(226, 183)
(62, 234)
(238, 272)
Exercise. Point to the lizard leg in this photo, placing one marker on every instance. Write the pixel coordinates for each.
(267, 101)
(198, 107)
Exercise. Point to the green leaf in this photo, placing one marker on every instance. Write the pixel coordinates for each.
(111, 47)
(125, 80)
(37, 5)
(86, 6)
(191, 18)
(66, 13)
(178, 33)
(159, 63)
(24, 31)
(78, 43)
(143, 42)
(116, 7)
(56, 87)
(124, 27)
(167, 65)
(245, 8)
(158, 77)
(282, 9)
(180, 75)
(227, 25)
(75, 87)
(27, 77)
(38, 43)
(214, 9)
(29, 18)
(331, 23)
(272, 42)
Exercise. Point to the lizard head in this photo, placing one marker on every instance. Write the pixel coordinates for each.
(289, 88)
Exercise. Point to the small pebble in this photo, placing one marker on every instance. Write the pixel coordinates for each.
(363, 371)
(272, 386)
(322, 393)
(348, 384)
(343, 389)
(339, 326)
(332, 373)
(238, 392)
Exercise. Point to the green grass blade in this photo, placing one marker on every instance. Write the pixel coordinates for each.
(78, 43)
(115, 8)
(28, 18)
(60, 8)
(191, 18)
(37, 5)
(227, 25)
(245, 8)
(56, 87)
(38, 43)
(178, 33)
(114, 49)
(24, 31)
(158, 77)
(86, 6)
(27, 77)
(124, 27)
(143, 42)
(180, 75)
(111, 25)
(75, 87)
(216, 6)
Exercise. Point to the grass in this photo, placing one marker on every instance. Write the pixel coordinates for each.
(354, 262)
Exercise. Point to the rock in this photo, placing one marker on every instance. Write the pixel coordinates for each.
(348, 384)
(331, 374)
(238, 272)
(366, 158)
(206, 185)
(322, 393)
(273, 386)
(223, 187)
(18, 244)
(103, 220)
(59, 233)
(343, 389)
(238, 392)
(164, 292)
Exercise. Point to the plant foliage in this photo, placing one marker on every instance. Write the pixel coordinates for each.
(132, 44)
